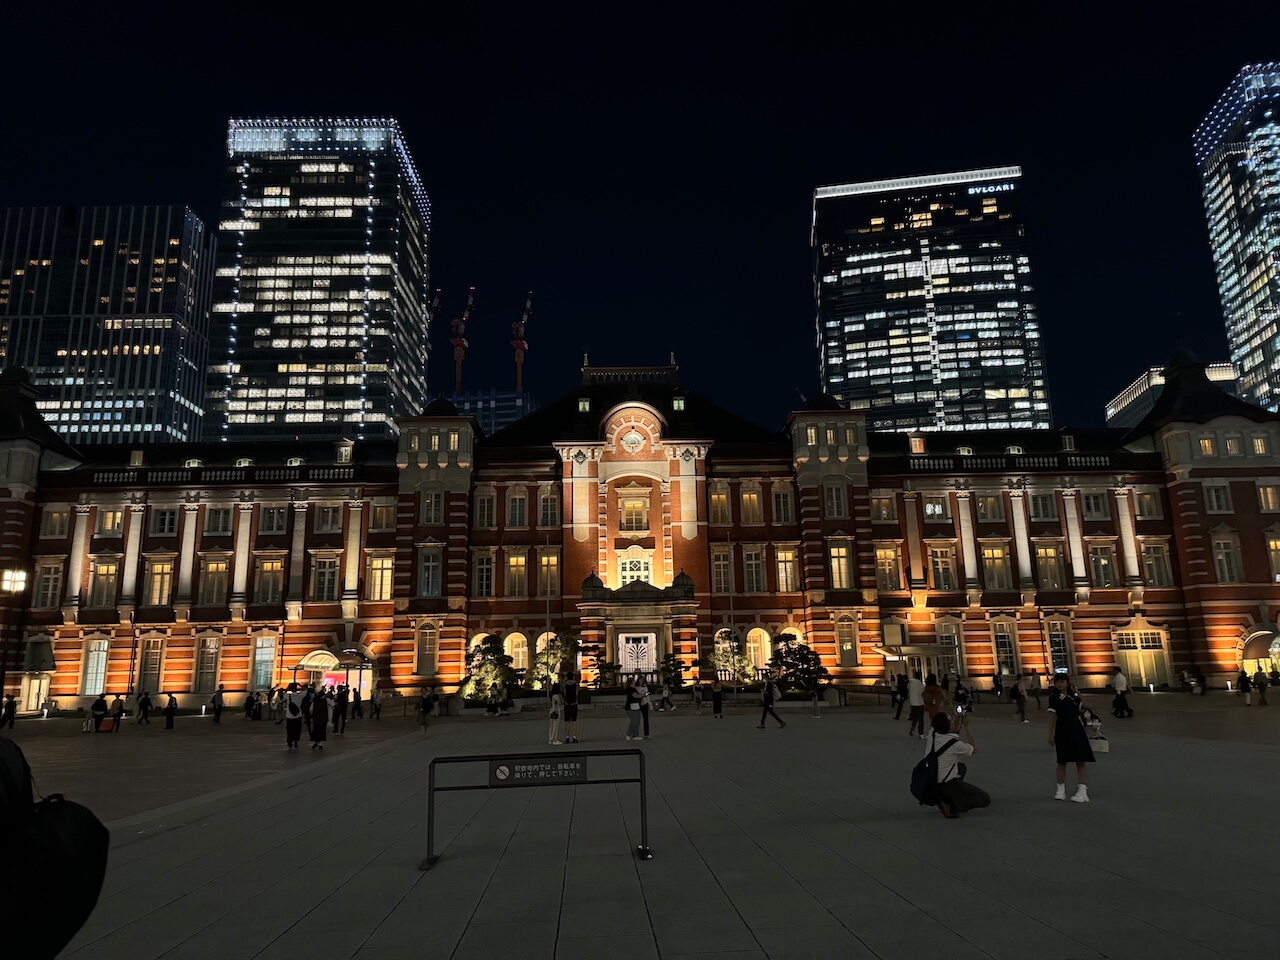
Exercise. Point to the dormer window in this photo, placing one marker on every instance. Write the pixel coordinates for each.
(677, 404)
(193, 462)
(964, 451)
(135, 458)
(1013, 449)
(1068, 442)
(294, 462)
(244, 462)
(344, 453)
(917, 445)
(584, 405)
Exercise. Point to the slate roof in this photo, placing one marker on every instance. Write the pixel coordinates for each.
(1189, 396)
(20, 419)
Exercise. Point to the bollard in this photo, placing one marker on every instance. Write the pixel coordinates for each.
(1151, 687)
(202, 706)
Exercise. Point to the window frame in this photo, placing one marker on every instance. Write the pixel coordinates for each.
(206, 596)
(835, 500)
(1149, 549)
(326, 573)
(210, 529)
(1104, 570)
(55, 522)
(328, 518)
(380, 577)
(888, 560)
(1003, 563)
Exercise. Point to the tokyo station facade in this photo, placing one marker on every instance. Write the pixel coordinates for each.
(648, 519)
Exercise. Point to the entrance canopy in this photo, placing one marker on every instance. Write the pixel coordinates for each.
(322, 660)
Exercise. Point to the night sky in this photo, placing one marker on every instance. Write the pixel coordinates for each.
(651, 179)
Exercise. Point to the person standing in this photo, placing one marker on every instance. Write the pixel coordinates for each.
(717, 699)
(1069, 738)
(935, 700)
(170, 711)
(643, 688)
(997, 684)
(340, 701)
(634, 696)
(1246, 688)
(555, 713)
(1185, 677)
(319, 720)
(915, 700)
(571, 687)
(1033, 686)
(293, 701)
(1120, 705)
(375, 704)
(1260, 683)
(1019, 698)
(424, 707)
(665, 703)
(697, 697)
(144, 708)
(357, 708)
(98, 712)
(217, 701)
(955, 794)
(277, 706)
(249, 701)
(902, 688)
(117, 713)
(10, 711)
(770, 693)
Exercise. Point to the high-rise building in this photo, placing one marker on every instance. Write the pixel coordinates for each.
(107, 308)
(494, 409)
(1237, 149)
(1130, 405)
(925, 313)
(321, 300)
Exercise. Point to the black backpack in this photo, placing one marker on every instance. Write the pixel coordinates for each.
(49, 844)
(924, 776)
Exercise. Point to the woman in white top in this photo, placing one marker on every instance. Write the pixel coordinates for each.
(555, 715)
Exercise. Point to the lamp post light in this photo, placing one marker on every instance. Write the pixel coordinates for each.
(13, 583)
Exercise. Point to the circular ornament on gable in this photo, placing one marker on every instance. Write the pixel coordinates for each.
(633, 441)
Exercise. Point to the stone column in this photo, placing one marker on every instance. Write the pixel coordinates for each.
(915, 555)
(968, 545)
(297, 563)
(1128, 537)
(129, 565)
(186, 560)
(75, 566)
(1075, 541)
(243, 554)
(351, 562)
(1021, 541)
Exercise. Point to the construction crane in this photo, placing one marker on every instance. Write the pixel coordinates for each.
(519, 343)
(459, 341)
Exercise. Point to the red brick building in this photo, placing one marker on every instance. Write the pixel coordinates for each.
(650, 519)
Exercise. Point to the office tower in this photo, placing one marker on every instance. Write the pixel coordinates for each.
(1130, 405)
(1237, 149)
(321, 300)
(925, 313)
(494, 409)
(107, 308)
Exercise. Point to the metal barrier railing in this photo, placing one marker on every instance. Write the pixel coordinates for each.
(537, 770)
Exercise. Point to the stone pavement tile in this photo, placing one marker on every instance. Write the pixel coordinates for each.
(800, 943)
(586, 921)
(124, 948)
(756, 954)
(511, 905)
(226, 939)
(414, 924)
(637, 947)
(740, 883)
(530, 940)
(672, 898)
(951, 949)
(960, 900)
(873, 923)
(390, 953)
(1148, 944)
(765, 910)
(667, 870)
(701, 931)
(1009, 938)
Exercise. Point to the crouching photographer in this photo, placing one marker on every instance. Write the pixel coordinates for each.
(953, 739)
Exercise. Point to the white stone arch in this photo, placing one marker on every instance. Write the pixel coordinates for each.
(426, 647)
(758, 646)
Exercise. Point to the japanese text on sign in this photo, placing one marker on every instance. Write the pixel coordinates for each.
(512, 772)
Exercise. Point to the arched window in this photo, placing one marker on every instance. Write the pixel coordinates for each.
(244, 462)
(95, 666)
(516, 646)
(759, 647)
(193, 462)
(206, 664)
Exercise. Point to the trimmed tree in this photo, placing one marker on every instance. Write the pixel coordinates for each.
(561, 649)
(487, 664)
(798, 665)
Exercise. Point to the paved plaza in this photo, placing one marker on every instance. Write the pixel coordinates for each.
(800, 842)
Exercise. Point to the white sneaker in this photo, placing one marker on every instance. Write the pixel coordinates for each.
(638, 738)
(1026, 721)
(1061, 792)
(1081, 795)
(555, 742)
(628, 736)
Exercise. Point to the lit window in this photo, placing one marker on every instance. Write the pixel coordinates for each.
(917, 445)
(381, 578)
(192, 462)
(677, 404)
(1147, 505)
(1049, 566)
(847, 642)
(751, 507)
(1013, 449)
(942, 564)
(884, 508)
(159, 582)
(719, 506)
(1260, 446)
(110, 522)
(964, 451)
(1233, 446)
(213, 583)
(548, 575)
(788, 570)
(102, 583)
(1208, 447)
(634, 514)
(811, 435)
(888, 568)
(54, 522)
(937, 508)
(995, 568)
(517, 575)
(838, 557)
(269, 580)
(584, 405)
(95, 666)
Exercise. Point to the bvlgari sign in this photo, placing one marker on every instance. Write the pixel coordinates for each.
(990, 188)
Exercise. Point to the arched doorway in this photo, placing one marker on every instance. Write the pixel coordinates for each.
(1260, 650)
(350, 667)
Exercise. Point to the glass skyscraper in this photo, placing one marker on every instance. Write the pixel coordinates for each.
(321, 301)
(107, 308)
(925, 313)
(1237, 149)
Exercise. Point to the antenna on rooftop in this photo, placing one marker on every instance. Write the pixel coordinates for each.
(459, 341)
(518, 341)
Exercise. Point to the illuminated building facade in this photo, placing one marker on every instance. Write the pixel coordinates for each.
(321, 299)
(494, 409)
(1237, 150)
(650, 520)
(926, 319)
(107, 308)
(1128, 407)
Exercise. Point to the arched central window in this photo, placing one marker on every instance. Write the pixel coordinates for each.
(95, 666)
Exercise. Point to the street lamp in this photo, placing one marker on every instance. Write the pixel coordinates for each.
(13, 581)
